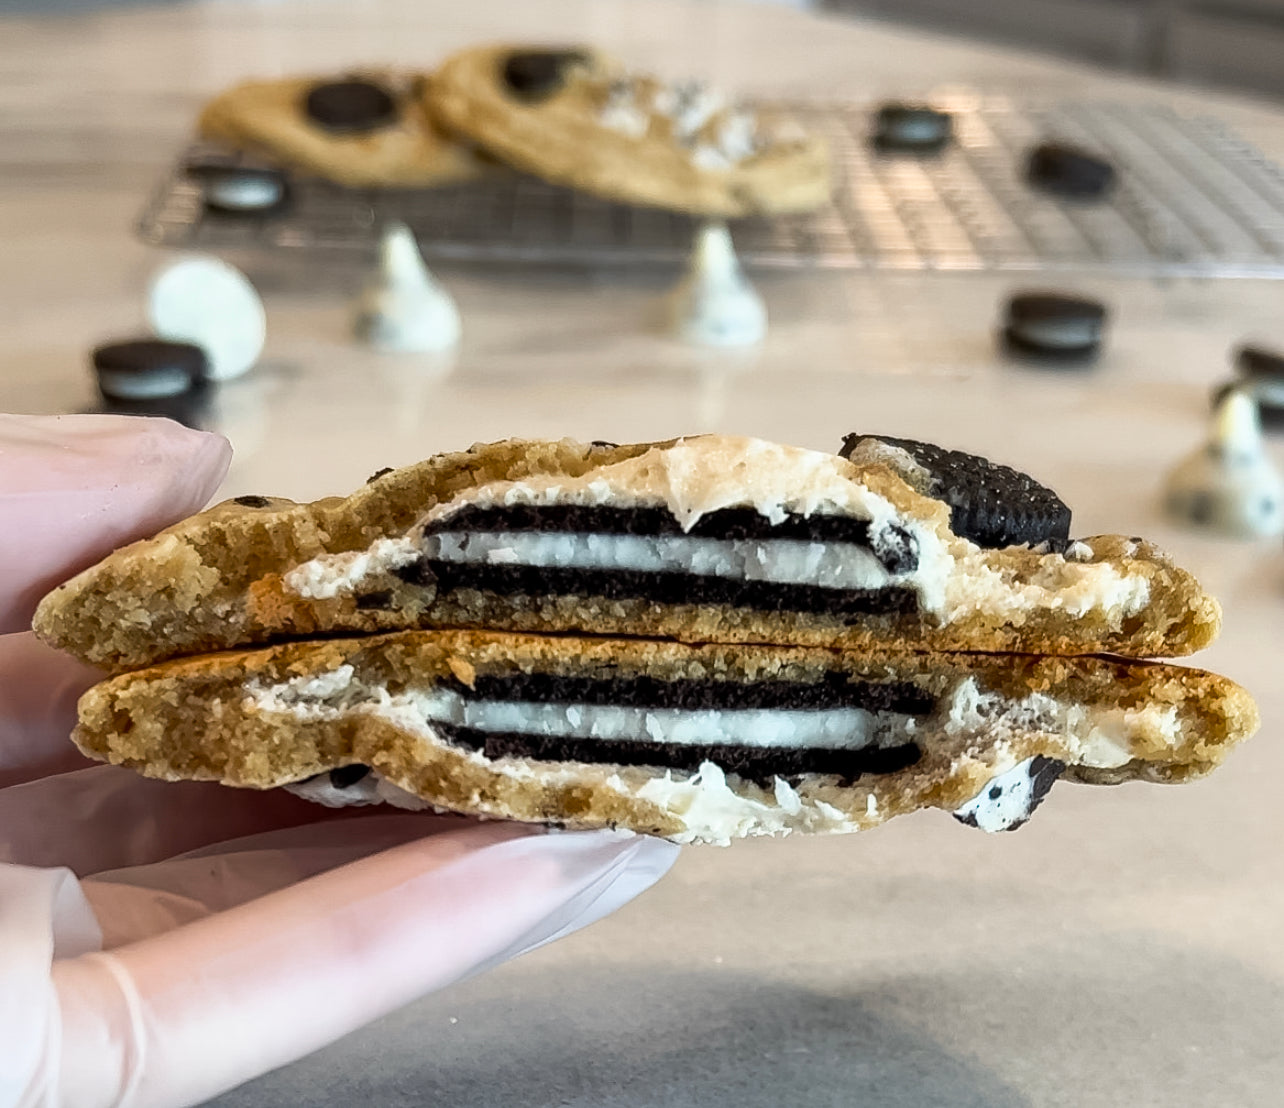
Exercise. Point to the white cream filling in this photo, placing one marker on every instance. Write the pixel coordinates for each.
(781, 561)
(767, 728)
(696, 476)
(1006, 800)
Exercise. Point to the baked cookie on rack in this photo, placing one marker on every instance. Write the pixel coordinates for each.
(576, 118)
(363, 130)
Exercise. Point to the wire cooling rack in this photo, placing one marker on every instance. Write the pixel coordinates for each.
(1192, 199)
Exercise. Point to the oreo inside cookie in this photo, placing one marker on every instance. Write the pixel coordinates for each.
(1053, 323)
(351, 106)
(992, 505)
(1069, 171)
(148, 369)
(911, 127)
(534, 75)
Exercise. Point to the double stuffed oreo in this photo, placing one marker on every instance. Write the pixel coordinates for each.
(781, 639)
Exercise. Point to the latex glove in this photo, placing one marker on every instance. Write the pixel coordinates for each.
(162, 942)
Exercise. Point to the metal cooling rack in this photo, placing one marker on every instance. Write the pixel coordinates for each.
(1192, 199)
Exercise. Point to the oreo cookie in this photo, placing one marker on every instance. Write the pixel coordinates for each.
(148, 369)
(911, 128)
(1261, 377)
(1069, 171)
(1053, 325)
(992, 505)
(534, 75)
(352, 106)
(1009, 800)
(240, 190)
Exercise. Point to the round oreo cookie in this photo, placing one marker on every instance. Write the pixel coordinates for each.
(992, 505)
(911, 128)
(148, 369)
(1261, 377)
(1067, 170)
(534, 75)
(351, 106)
(240, 190)
(1053, 324)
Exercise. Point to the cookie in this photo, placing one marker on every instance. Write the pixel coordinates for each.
(705, 743)
(991, 505)
(1069, 171)
(574, 118)
(706, 539)
(916, 128)
(363, 131)
(148, 369)
(1054, 324)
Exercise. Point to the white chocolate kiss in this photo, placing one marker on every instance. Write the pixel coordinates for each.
(693, 477)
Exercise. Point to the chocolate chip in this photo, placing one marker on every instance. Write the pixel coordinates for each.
(375, 601)
(377, 474)
(350, 106)
(534, 75)
(252, 501)
(346, 776)
(993, 505)
(996, 792)
(1069, 171)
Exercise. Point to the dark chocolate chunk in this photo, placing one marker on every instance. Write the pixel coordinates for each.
(834, 690)
(993, 505)
(351, 106)
(1069, 171)
(896, 548)
(377, 474)
(911, 127)
(346, 776)
(665, 588)
(753, 763)
(1053, 323)
(534, 75)
(252, 501)
(148, 369)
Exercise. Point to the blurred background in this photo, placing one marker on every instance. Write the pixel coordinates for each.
(1123, 948)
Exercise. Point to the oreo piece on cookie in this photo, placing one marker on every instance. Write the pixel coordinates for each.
(350, 106)
(240, 189)
(695, 743)
(710, 538)
(1069, 171)
(148, 369)
(535, 75)
(1054, 325)
(911, 127)
(992, 505)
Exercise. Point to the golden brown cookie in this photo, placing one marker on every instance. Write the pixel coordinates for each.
(693, 743)
(575, 118)
(367, 130)
(707, 539)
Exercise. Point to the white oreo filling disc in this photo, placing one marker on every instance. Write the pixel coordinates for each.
(205, 301)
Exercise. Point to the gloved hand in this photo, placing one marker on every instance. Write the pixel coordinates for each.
(162, 942)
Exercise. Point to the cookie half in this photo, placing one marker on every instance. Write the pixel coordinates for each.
(575, 118)
(366, 130)
(706, 539)
(693, 743)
